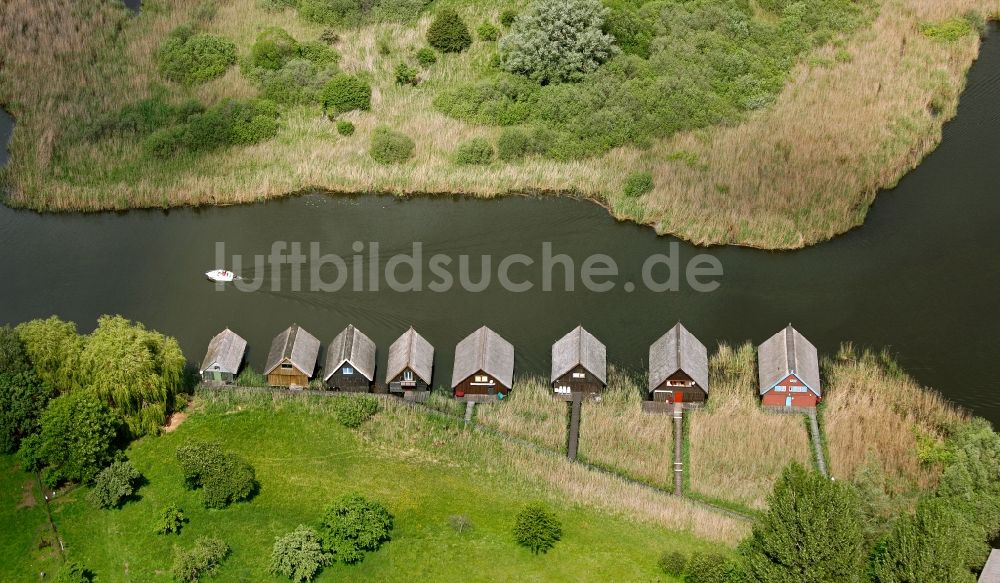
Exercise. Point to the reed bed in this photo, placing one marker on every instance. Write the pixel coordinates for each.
(873, 409)
(736, 449)
(530, 413)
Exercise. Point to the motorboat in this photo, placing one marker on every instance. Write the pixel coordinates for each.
(221, 276)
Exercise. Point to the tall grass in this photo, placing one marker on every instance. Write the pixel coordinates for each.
(737, 450)
(530, 413)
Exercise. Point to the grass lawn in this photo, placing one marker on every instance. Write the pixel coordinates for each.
(27, 545)
(423, 469)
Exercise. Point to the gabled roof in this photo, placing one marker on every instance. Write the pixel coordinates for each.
(579, 348)
(412, 351)
(787, 353)
(351, 347)
(298, 346)
(484, 351)
(678, 350)
(226, 350)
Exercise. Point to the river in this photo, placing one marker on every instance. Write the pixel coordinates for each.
(919, 277)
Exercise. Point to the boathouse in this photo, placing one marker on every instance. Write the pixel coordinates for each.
(410, 365)
(788, 366)
(579, 364)
(678, 368)
(484, 366)
(291, 361)
(224, 358)
(350, 362)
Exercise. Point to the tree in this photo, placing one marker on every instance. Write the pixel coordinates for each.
(76, 440)
(224, 477)
(298, 555)
(73, 572)
(13, 356)
(190, 58)
(536, 528)
(201, 560)
(114, 485)
(558, 40)
(54, 348)
(171, 520)
(353, 525)
(448, 33)
(23, 397)
(810, 534)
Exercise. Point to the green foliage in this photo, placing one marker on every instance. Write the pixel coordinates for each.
(405, 74)
(507, 17)
(811, 532)
(460, 523)
(353, 410)
(273, 48)
(632, 29)
(343, 93)
(171, 520)
(142, 117)
(345, 128)
(949, 30)
(638, 184)
(353, 525)
(201, 560)
(54, 348)
(318, 53)
(672, 563)
(358, 12)
(230, 122)
(487, 31)
(190, 58)
(224, 477)
(251, 378)
(390, 147)
(76, 440)
(448, 32)
(516, 143)
(929, 449)
(297, 82)
(474, 151)
(558, 40)
(878, 506)
(503, 100)
(13, 355)
(23, 397)
(73, 572)
(276, 5)
(384, 45)
(298, 555)
(706, 568)
(426, 56)
(206, 11)
(114, 485)
(536, 528)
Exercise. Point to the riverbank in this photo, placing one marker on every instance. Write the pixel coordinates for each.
(852, 119)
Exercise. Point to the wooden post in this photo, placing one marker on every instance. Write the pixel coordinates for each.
(678, 448)
(469, 406)
(574, 426)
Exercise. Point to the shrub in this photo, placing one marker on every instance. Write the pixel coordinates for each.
(318, 53)
(345, 128)
(230, 122)
(73, 572)
(405, 74)
(114, 485)
(273, 48)
(448, 32)
(460, 522)
(633, 31)
(171, 520)
(77, 438)
(251, 378)
(298, 555)
(947, 30)
(426, 56)
(536, 528)
(276, 5)
(507, 17)
(353, 525)
(189, 58)
(540, 47)
(515, 144)
(202, 560)
(224, 477)
(706, 568)
(487, 32)
(345, 92)
(23, 398)
(672, 563)
(352, 411)
(331, 12)
(504, 100)
(475, 151)
(299, 81)
(390, 147)
(638, 184)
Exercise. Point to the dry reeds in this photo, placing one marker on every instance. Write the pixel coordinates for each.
(530, 413)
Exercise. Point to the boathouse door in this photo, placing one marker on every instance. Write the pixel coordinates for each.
(788, 401)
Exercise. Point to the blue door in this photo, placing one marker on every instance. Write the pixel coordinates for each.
(788, 400)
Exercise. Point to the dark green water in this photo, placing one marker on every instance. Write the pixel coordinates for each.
(920, 277)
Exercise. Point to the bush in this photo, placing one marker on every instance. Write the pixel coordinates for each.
(230, 122)
(706, 568)
(507, 17)
(202, 560)
(426, 56)
(299, 81)
(351, 411)
(251, 378)
(331, 12)
(638, 184)
(345, 128)
(475, 151)
(487, 32)
(171, 520)
(390, 147)
(503, 100)
(298, 555)
(77, 438)
(276, 5)
(405, 74)
(345, 93)
(460, 523)
(23, 398)
(672, 563)
(947, 30)
(536, 528)
(73, 572)
(353, 525)
(273, 48)
(224, 477)
(448, 32)
(114, 485)
(516, 143)
(540, 47)
(189, 58)
(318, 53)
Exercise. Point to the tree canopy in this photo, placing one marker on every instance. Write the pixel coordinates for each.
(353, 525)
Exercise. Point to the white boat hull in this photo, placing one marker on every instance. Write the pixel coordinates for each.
(221, 276)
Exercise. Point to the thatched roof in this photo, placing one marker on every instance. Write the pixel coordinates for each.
(411, 351)
(226, 351)
(678, 350)
(991, 571)
(484, 351)
(298, 346)
(785, 353)
(579, 348)
(351, 347)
